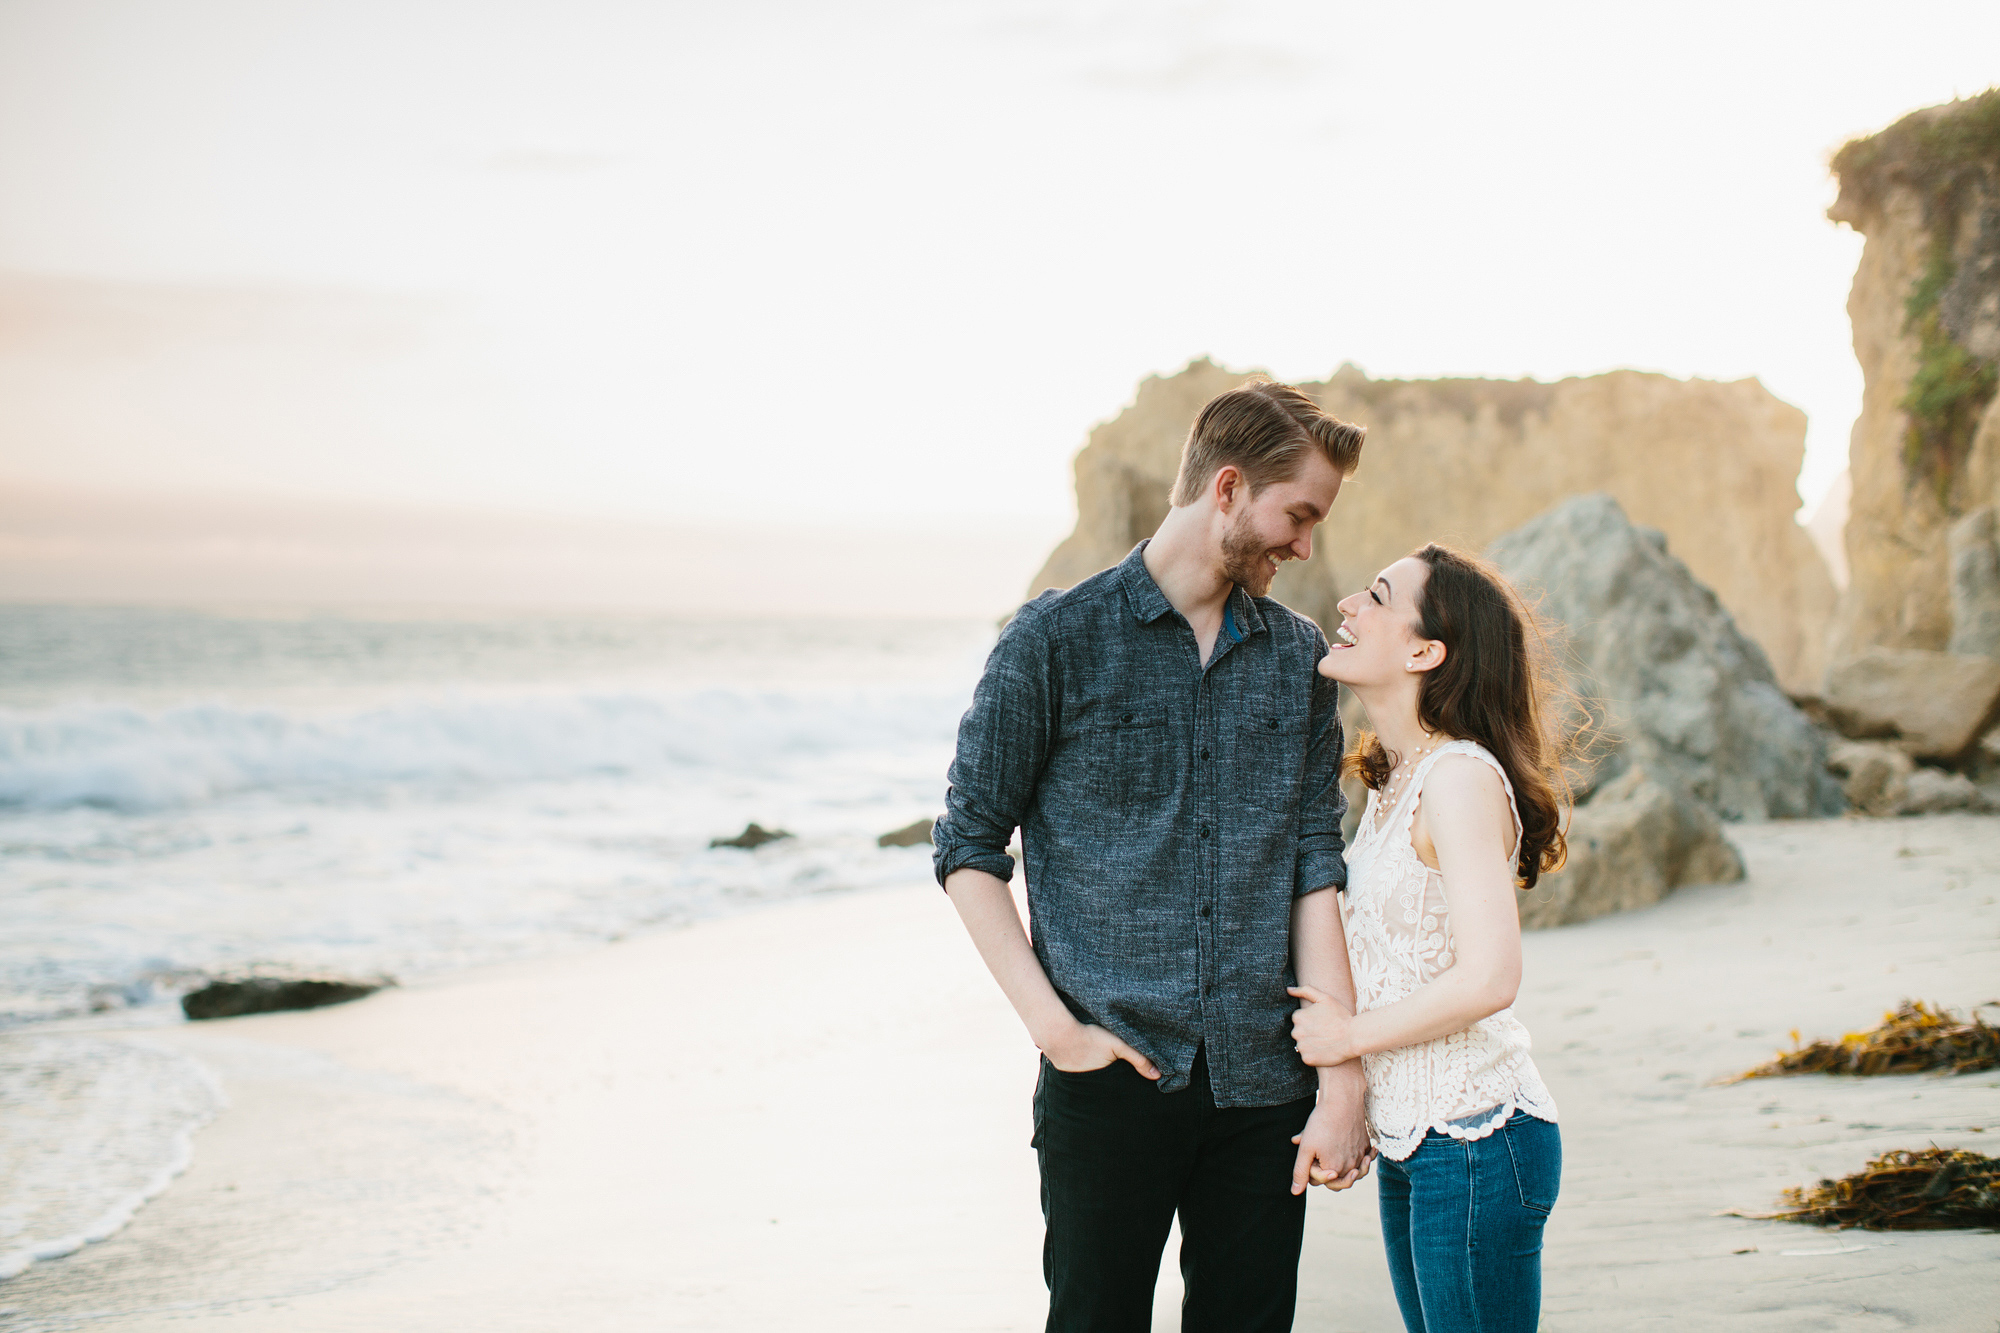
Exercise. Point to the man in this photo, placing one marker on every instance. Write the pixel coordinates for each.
(1161, 738)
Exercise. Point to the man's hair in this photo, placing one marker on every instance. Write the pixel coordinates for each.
(1263, 430)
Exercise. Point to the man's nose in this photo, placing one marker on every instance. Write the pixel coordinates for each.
(1303, 547)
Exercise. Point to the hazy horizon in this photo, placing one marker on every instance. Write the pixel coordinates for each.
(108, 548)
(873, 271)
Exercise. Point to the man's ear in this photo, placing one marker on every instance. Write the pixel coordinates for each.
(1228, 486)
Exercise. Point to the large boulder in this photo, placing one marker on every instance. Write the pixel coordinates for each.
(1935, 705)
(1674, 685)
(1464, 460)
(1925, 306)
(1635, 842)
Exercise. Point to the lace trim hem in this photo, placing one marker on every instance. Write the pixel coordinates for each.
(1466, 1129)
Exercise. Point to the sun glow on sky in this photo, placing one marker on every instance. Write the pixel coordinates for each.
(878, 263)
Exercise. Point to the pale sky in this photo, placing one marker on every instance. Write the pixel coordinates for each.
(876, 262)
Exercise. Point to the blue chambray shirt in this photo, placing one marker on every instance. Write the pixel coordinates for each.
(1169, 815)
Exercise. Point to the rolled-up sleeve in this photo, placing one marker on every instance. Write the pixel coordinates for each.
(1003, 741)
(1322, 804)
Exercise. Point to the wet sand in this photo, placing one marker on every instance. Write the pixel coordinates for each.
(816, 1117)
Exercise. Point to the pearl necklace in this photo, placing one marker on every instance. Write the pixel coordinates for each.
(1401, 771)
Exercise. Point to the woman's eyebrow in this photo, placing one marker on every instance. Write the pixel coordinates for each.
(1383, 579)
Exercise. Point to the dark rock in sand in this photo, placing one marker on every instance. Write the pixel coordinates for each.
(753, 835)
(915, 835)
(232, 997)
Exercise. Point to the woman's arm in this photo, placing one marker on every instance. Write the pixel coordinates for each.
(1464, 809)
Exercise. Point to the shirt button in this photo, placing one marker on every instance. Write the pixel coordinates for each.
(1210, 990)
(1128, 718)
(1204, 754)
(1204, 909)
(1274, 724)
(1204, 830)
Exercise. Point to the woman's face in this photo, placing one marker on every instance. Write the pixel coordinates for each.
(1380, 637)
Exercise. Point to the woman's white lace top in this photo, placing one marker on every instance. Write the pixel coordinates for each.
(1465, 1084)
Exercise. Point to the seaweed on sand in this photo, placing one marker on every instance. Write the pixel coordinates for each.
(1911, 1040)
(1929, 1189)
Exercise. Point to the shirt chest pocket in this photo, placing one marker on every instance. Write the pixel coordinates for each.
(1130, 760)
(1269, 755)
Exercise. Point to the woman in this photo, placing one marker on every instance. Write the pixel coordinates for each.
(1461, 808)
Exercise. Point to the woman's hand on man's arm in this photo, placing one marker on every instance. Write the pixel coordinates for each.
(1333, 1146)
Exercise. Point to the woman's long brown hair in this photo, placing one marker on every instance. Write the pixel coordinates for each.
(1493, 687)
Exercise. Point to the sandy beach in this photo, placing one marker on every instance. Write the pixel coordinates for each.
(815, 1116)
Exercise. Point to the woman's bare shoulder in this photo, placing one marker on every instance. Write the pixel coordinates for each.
(1464, 782)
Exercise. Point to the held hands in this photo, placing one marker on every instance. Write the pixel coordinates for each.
(1322, 1028)
(1333, 1147)
(1082, 1047)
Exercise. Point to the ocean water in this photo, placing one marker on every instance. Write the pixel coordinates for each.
(185, 792)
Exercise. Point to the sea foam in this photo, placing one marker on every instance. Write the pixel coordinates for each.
(186, 793)
(91, 1127)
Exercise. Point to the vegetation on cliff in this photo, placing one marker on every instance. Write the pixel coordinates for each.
(1950, 158)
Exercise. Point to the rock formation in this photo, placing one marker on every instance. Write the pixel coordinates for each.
(1926, 312)
(1677, 687)
(233, 997)
(1635, 842)
(910, 835)
(1935, 705)
(1882, 779)
(1932, 791)
(1877, 775)
(1691, 725)
(1462, 461)
(753, 836)
(1974, 548)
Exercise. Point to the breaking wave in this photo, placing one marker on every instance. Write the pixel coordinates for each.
(127, 759)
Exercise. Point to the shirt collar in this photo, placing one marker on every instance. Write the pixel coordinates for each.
(1143, 595)
(1148, 603)
(1248, 618)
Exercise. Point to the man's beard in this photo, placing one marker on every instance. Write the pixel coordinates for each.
(1246, 560)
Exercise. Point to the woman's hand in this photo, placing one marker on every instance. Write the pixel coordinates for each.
(1322, 1028)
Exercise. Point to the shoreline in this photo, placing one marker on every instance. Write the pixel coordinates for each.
(823, 1107)
(137, 1104)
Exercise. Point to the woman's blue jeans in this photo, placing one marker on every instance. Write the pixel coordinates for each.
(1463, 1223)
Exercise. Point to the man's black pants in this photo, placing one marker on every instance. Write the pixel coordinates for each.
(1119, 1158)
